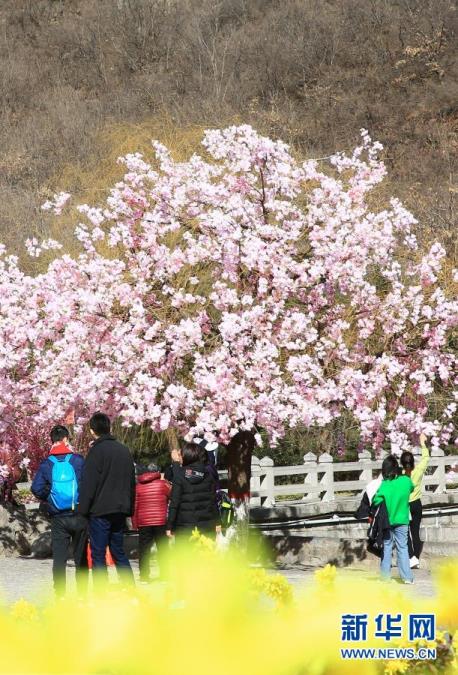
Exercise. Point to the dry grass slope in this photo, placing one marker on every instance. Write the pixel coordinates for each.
(83, 81)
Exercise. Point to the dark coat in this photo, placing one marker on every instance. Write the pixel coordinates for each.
(108, 483)
(171, 470)
(193, 500)
(378, 529)
(41, 485)
(211, 468)
(364, 509)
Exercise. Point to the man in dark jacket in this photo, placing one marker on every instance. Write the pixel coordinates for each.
(61, 497)
(107, 496)
(193, 503)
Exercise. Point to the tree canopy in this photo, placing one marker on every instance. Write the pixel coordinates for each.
(240, 290)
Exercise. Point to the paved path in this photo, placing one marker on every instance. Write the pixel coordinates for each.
(423, 585)
(30, 578)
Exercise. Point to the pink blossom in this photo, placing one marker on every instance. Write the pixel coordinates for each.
(241, 291)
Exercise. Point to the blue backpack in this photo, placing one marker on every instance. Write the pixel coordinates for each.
(64, 487)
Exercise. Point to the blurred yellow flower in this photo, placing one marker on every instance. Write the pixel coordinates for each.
(396, 666)
(24, 610)
(217, 613)
(327, 575)
(446, 576)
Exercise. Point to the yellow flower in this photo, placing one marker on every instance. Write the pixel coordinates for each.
(217, 596)
(202, 542)
(326, 576)
(447, 607)
(24, 611)
(454, 663)
(440, 637)
(396, 666)
(274, 586)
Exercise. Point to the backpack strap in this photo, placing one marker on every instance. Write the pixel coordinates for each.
(54, 459)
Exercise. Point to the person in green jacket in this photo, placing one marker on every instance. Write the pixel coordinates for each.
(416, 474)
(395, 491)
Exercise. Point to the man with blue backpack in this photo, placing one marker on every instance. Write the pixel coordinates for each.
(57, 482)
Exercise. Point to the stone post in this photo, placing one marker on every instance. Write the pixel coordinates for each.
(439, 473)
(326, 464)
(255, 484)
(311, 477)
(267, 481)
(365, 461)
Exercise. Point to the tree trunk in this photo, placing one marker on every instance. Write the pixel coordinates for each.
(239, 453)
(172, 439)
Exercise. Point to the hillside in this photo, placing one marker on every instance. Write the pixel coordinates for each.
(310, 72)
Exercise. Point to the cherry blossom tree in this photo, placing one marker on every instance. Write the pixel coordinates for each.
(239, 291)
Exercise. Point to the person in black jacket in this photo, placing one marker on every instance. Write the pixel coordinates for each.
(66, 524)
(192, 503)
(107, 496)
(208, 458)
(176, 462)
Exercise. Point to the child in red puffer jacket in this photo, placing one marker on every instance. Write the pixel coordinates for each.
(150, 516)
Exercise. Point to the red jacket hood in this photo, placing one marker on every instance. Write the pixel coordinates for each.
(148, 476)
(60, 449)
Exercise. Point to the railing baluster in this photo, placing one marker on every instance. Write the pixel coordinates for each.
(255, 484)
(325, 462)
(439, 474)
(267, 481)
(311, 477)
(365, 464)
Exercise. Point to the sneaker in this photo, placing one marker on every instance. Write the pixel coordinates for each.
(407, 581)
(414, 562)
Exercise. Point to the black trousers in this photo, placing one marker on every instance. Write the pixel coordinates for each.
(414, 542)
(148, 535)
(65, 530)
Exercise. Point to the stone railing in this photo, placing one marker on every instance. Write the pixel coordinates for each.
(320, 478)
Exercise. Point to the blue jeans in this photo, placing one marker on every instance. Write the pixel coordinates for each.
(109, 531)
(397, 534)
